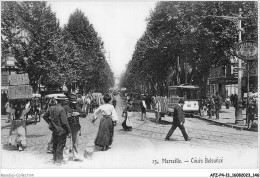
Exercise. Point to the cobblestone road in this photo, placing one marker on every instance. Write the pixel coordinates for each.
(145, 143)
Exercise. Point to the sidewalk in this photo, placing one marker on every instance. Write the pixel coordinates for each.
(227, 118)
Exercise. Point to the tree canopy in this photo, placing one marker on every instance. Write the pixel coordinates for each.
(183, 39)
(54, 56)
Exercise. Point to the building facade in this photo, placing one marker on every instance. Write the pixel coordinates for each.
(224, 79)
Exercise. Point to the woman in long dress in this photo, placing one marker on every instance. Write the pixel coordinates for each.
(127, 113)
(106, 128)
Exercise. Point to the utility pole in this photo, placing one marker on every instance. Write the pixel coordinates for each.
(185, 66)
(247, 106)
(239, 118)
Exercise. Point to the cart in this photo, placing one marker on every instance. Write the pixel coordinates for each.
(33, 115)
(34, 106)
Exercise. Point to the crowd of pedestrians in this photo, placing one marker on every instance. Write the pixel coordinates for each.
(63, 114)
(211, 106)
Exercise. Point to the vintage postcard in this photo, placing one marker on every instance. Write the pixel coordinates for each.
(129, 89)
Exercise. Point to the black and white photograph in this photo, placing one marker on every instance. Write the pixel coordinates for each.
(129, 88)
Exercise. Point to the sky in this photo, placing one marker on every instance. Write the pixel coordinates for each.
(120, 25)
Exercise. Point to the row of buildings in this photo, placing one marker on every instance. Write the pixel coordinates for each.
(224, 79)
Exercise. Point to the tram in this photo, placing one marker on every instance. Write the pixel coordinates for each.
(190, 95)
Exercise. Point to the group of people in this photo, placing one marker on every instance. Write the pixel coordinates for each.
(178, 115)
(62, 117)
(90, 102)
(211, 106)
(63, 120)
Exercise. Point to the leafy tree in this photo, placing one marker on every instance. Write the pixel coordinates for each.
(52, 56)
(35, 55)
(94, 66)
(186, 38)
(9, 28)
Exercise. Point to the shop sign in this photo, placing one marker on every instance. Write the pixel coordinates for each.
(247, 50)
(10, 60)
(4, 78)
(19, 79)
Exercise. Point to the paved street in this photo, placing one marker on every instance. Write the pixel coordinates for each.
(145, 143)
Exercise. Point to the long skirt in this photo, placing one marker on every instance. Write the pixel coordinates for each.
(127, 124)
(17, 135)
(105, 132)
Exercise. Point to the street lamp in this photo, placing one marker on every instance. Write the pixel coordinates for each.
(239, 118)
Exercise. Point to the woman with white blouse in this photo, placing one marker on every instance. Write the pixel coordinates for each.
(106, 128)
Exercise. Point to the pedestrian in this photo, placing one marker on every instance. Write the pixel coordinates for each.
(178, 121)
(235, 104)
(251, 110)
(232, 99)
(153, 103)
(88, 101)
(93, 104)
(143, 108)
(106, 127)
(8, 111)
(148, 101)
(17, 134)
(75, 127)
(210, 106)
(4, 99)
(127, 98)
(127, 113)
(57, 119)
(205, 109)
(80, 101)
(217, 101)
(157, 109)
(85, 105)
(227, 102)
(50, 103)
(114, 101)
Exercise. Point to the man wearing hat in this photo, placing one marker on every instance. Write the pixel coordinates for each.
(58, 124)
(178, 121)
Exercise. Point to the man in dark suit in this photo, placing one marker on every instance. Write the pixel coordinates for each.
(217, 101)
(178, 121)
(57, 119)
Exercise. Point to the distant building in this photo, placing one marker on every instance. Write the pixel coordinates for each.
(8, 61)
(224, 79)
(117, 81)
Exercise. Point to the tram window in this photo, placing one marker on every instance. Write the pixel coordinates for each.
(180, 93)
(188, 96)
